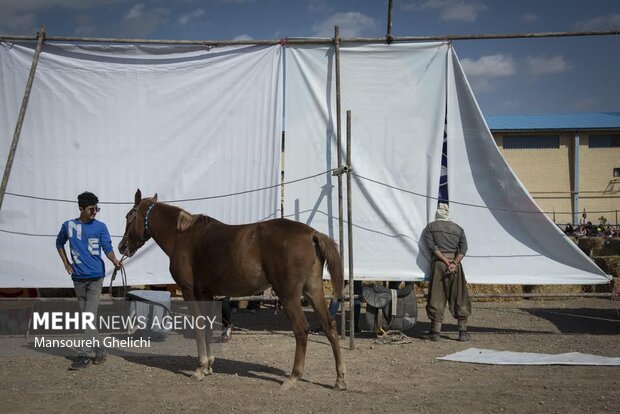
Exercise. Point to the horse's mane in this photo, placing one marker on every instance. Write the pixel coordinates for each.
(186, 220)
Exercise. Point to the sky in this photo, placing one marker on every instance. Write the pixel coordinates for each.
(509, 77)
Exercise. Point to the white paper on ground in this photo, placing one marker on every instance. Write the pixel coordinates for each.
(492, 357)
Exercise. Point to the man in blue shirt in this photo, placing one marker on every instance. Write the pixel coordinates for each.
(86, 236)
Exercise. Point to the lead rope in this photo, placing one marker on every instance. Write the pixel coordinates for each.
(123, 278)
(392, 337)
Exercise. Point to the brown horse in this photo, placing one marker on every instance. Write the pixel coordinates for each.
(209, 258)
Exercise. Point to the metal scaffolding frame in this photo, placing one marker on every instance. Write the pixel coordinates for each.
(42, 37)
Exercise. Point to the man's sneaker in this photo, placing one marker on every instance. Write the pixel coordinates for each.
(80, 362)
(226, 334)
(464, 336)
(433, 336)
(100, 358)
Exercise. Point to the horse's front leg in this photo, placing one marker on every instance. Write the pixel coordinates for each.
(205, 357)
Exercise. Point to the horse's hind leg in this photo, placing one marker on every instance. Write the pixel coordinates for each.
(295, 314)
(315, 295)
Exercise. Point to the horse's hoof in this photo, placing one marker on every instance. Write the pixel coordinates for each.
(288, 384)
(340, 385)
(198, 375)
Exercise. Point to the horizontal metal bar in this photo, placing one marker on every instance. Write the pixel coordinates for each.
(17, 38)
(569, 197)
(543, 295)
(588, 212)
(313, 40)
(106, 298)
(568, 192)
(212, 43)
(496, 36)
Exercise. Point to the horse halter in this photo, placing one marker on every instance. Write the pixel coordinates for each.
(134, 213)
(146, 222)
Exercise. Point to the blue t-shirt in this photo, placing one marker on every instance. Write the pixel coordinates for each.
(85, 243)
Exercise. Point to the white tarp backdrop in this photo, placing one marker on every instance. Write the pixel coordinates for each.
(510, 240)
(185, 122)
(190, 123)
(398, 98)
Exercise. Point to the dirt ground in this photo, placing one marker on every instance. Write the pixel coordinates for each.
(381, 377)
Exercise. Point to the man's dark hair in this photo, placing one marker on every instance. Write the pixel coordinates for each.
(87, 199)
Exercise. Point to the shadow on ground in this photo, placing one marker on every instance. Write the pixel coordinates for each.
(266, 319)
(581, 320)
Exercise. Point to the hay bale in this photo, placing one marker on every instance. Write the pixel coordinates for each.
(494, 289)
(609, 264)
(611, 248)
(589, 245)
(552, 289)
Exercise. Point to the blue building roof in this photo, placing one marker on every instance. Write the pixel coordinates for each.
(572, 122)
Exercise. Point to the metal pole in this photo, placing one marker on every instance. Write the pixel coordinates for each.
(420, 296)
(576, 180)
(339, 155)
(448, 38)
(350, 233)
(312, 40)
(21, 116)
(533, 295)
(388, 36)
(543, 295)
(282, 175)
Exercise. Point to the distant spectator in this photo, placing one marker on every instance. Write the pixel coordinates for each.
(581, 231)
(569, 229)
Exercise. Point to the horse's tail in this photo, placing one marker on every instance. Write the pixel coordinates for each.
(328, 250)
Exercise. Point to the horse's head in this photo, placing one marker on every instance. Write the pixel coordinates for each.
(135, 232)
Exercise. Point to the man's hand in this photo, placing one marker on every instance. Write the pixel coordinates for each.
(65, 260)
(112, 257)
(117, 263)
(442, 257)
(453, 266)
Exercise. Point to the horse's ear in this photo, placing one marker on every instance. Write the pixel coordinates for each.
(155, 198)
(138, 197)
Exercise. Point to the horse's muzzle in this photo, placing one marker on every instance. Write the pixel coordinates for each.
(128, 253)
(123, 247)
